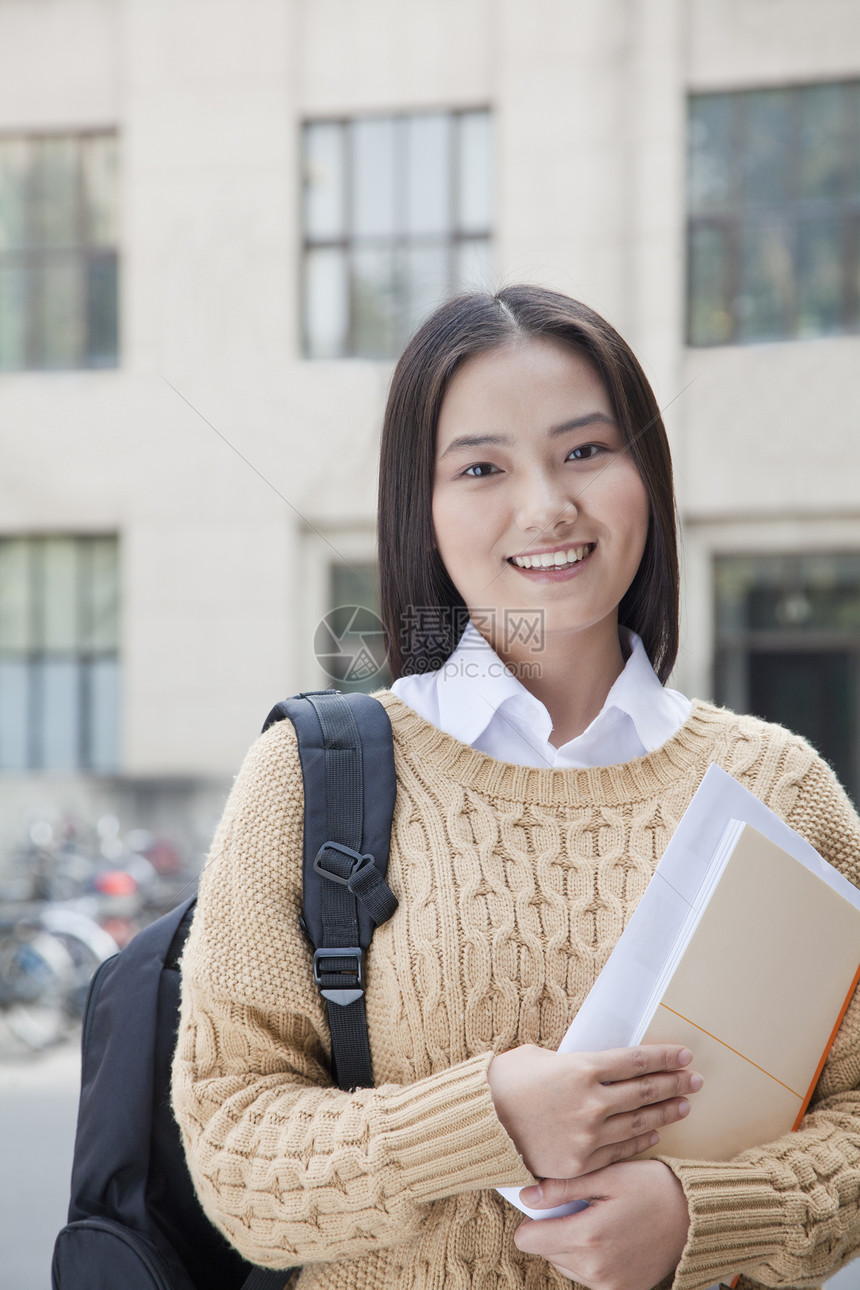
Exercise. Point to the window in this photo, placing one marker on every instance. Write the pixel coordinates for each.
(58, 257)
(59, 666)
(788, 648)
(397, 214)
(774, 226)
(349, 642)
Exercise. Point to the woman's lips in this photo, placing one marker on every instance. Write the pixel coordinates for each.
(559, 563)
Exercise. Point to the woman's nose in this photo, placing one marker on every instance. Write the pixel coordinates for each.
(544, 506)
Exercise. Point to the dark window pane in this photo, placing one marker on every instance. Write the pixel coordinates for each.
(712, 159)
(100, 626)
(326, 302)
(354, 586)
(55, 215)
(102, 309)
(819, 276)
(13, 715)
(101, 187)
(765, 151)
(58, 592)
(14, 175)
(61, 338)
(710, 310)
(765, 302)
(324, 176)
(820, 166)
(814, 693)
(16, 604)
(374, 302)
(788, 646)
(428, 187)
(16, 308)
(373, 179)
(852, 137)
(800, 593)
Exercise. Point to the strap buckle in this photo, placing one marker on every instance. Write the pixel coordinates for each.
(350, 977)
(358, 862)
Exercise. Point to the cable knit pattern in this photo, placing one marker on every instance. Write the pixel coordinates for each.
(514, 885)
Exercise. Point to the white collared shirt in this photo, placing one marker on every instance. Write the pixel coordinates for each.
(477, 700)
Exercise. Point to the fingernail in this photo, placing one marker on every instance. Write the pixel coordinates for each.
(685, 1057)
(655, 1138)
(532, 1195)
(696, 1082)
(683, 1107)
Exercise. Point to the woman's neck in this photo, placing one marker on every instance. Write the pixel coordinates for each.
(571, 675)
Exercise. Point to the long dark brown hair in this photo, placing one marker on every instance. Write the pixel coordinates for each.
(422, 610)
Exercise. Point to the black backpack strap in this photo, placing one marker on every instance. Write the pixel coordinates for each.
(268, 1279)
(347, 761)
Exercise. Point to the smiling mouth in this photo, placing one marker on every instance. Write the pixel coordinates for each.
(563, 559)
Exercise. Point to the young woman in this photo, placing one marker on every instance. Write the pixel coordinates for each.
(529, 584)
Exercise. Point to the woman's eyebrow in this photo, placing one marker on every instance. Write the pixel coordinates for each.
(578, 423)
(505, 441)
(477, 441)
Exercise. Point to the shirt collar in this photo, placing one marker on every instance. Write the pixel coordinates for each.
(639, 693)
(475, 685)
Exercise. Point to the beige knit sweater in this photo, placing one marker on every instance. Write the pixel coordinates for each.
(514, 885)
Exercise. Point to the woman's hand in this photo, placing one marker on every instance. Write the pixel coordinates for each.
(572, 1113)
(631, 1235)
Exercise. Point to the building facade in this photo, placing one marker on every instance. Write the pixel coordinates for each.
(218, 221)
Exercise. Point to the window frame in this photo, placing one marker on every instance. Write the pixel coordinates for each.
(735, 216)
(400, 241)
(86, 253)
(36, 654)
(788, 574)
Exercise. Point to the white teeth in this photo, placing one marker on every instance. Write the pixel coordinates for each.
(552, 559)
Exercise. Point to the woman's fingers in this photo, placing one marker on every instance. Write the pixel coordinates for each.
(633, 1094)
(645, 1059)
(572, 1113)
(550, 1192)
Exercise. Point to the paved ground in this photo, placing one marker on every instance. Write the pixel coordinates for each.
(38, 1106)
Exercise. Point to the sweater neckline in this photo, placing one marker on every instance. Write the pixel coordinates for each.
(691, 749)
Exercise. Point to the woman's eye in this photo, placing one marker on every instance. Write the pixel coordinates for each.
(479, 470)
(585, 452)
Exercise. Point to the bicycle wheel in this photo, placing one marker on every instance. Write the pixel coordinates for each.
(86, 944)
(36, 974)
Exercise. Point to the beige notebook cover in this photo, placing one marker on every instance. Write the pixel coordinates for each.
(757, 997)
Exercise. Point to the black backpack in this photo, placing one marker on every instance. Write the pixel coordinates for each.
(134, 1220)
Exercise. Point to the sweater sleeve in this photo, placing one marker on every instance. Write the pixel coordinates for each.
(788, 1213)
(291, 1169)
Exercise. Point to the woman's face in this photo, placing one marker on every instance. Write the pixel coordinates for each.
(538, 508)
